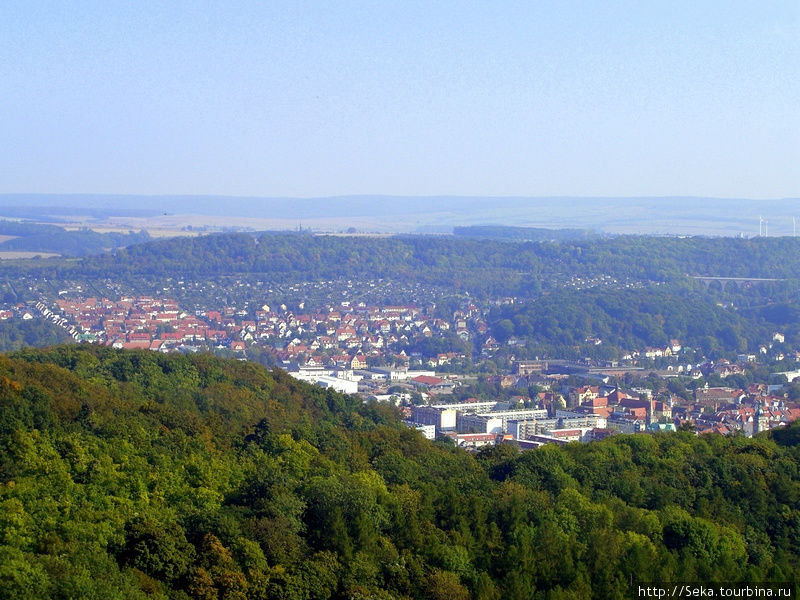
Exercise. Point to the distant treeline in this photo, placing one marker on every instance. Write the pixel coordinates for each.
(482, 267)
(568, 324)
(524, 234)
(16, 334)
(56, 214)
(33, 237)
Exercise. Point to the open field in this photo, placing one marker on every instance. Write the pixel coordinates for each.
(189, 215)
(19, 254)
(190, 225)
(111, 227)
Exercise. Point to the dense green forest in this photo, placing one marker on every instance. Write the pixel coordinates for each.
(142, 475)
(505, 232)
(559, 324)
(485, 268)
(33, 237)
(16, 334)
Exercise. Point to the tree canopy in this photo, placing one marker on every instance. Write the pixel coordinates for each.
(478, 266)
(137, 474)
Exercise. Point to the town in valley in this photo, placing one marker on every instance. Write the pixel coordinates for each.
(445, 371)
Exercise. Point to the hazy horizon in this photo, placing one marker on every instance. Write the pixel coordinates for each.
(436, 214)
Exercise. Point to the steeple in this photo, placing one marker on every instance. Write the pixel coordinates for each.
(760, 422)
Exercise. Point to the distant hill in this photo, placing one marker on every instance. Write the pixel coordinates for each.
(561, 323)
(661, 215)
(521, 234)
(16, 334)
(482, 267)
(31, 237)
(59, 214)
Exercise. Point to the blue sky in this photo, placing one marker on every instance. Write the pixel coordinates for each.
(412, 98)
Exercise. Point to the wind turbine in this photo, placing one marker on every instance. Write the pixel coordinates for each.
(760, 225)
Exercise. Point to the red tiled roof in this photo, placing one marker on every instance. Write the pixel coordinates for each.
(427, 380)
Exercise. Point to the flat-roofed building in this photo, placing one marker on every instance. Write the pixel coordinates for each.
(524, 429)
(523, 414)
(429, 431)
(472, 423)
(530, 367)
(344, 386)
(444, 419)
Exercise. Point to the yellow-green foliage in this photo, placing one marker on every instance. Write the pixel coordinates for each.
(142, 475)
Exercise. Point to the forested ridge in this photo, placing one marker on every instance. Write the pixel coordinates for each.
(509, 233)
(142, 475)
(32, 237)
(483, 267)
(16, 334)
(627, 291)
(560, 323)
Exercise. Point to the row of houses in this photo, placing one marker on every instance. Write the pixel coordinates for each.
(138, 322)
(346, 336)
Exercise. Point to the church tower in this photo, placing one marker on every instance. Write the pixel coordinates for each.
(760, 422)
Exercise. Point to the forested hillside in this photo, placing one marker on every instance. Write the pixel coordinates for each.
(133, 475)
(481, 267)
(560, 323)
(32, 237)
(504, 232)
(16, 334)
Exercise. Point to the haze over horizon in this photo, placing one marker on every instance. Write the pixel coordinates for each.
(413, 214)
(297, 99)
